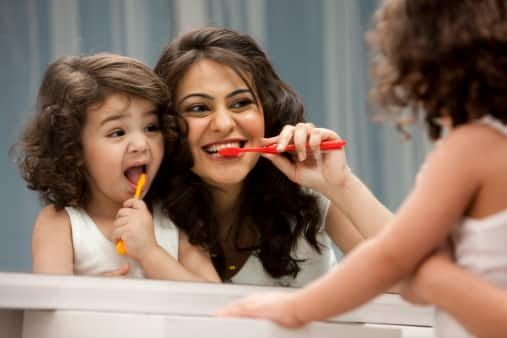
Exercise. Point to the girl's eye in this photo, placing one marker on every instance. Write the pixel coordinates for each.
(116, 133)
(242, 103)
(153, 127)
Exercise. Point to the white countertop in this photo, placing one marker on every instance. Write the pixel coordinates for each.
(181, 301)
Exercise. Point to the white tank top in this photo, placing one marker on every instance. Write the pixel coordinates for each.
(481, 248)
(314, 266)
(94, 254)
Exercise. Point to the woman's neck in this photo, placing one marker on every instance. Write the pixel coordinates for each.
(226, 203)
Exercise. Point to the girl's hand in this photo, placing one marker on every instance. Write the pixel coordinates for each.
(134, 226)
(315, 169)
(276, 307)
(120, 272)
(417, 288)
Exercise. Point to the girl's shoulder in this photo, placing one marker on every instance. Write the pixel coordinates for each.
(49, 217)
(473, 138)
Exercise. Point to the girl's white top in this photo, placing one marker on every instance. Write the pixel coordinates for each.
(481, 248)
(314, 265)
(94, 254)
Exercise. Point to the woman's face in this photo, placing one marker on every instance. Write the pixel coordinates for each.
(221, 111)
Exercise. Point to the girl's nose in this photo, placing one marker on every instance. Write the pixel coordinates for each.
(138, 142)
(223, 120)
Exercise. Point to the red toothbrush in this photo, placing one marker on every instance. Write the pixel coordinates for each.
(271, 149)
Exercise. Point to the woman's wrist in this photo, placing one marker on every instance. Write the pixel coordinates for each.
(336, 189)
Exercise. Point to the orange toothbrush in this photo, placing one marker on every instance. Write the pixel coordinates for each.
(120, 247)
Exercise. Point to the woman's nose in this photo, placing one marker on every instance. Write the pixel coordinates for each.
(223, 120)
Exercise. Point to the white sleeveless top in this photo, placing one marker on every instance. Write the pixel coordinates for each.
(480, 247)
(314, 266)
(94, 254)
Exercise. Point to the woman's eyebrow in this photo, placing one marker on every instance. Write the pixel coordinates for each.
(238, 91)
(209, 97)
(202, 95)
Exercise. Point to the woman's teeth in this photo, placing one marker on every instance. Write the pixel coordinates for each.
(214, 148)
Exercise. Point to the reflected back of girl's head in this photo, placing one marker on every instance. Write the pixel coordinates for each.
(442, 58)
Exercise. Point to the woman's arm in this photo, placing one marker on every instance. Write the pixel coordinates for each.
(439, 281)
(352, 199)
(52, 250)
(354, 213)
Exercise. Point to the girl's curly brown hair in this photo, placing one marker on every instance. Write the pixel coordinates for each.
(442, 58)
(281, 211)
(49, 153)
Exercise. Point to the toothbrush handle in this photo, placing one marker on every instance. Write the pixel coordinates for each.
(325, 145)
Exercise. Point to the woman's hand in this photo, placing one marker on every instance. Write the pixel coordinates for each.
(312, 168)
(276, 307)
(134, 226)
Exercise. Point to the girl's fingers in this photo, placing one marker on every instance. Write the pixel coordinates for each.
(134, 203)
(117, 234)
(122, 271)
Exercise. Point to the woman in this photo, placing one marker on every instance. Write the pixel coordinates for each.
(264, 218)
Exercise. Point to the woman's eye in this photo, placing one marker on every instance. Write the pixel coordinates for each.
(196, 108)
(152, 127)
(116, 133)
(242, 103)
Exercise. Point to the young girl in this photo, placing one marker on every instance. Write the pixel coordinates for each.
(97, 128)
(448, 61)
(265, 220)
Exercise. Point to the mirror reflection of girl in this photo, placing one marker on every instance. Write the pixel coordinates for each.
(98, 126)
(266, 219)
(448, 61)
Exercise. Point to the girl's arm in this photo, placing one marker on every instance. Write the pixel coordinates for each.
(159, 264)
(439, 281)
(442, 193)
(52, 250)
(196, 260)
(134, 225)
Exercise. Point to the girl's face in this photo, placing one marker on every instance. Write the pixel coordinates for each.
(121, 139)
(221, 112)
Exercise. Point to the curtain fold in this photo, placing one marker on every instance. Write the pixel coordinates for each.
(316, 46)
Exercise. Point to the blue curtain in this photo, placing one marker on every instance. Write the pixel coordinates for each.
(318, 47)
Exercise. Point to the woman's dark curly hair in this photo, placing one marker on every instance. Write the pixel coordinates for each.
(281, 211)
(49, 153)
(442, 58)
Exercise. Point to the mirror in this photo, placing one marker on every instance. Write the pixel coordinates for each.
(318, 48)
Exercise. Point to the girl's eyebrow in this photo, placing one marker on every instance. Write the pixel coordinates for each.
(120, 116)
(113, 118)
(209, 97)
